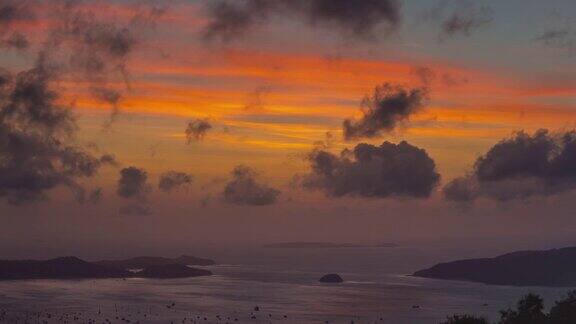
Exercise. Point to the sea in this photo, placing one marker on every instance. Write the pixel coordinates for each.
(274, 285)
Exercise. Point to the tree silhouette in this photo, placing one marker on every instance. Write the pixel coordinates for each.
(564, 311)
(465, 319)
(529, 311)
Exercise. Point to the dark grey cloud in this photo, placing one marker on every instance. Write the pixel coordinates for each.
(84, 195)
(359, 18)
(196, 130)
(172, 180)
(133, 183)
(255, 99)
(230, 20)
(388, 170)
(244, 189)
(523, 155)
(563, 39)
(109, 159)
(98, 49)
(13, 12)
(385, 109)
(17, 41)
(461, 17)
(521, 166)
(552, 36)
(37, 147)
(461, 189)
(80, 41)
(133, 186)
(30, 99)
(429, 77)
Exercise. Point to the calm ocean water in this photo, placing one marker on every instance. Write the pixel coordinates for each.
(282, 283)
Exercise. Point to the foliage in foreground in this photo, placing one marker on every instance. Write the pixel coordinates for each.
(465, 319)
(529, 310)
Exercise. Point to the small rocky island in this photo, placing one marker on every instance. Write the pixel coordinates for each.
(552, 268)
(331, 278)
(75, 268)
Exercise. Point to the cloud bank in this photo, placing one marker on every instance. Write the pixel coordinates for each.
(521, 166)
(38, 148)
(38, 151)
(388, 170)
(244, 189)
(173, 180)
(133, 183)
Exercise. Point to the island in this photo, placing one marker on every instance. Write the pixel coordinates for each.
(59, 268)
(331, 278)
(147, 261)
(324, 245)
(75, 268)
(550, 268)
(172, 271)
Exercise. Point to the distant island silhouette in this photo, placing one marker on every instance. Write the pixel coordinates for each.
(552, 268)
(75, 268)
(146, 261)
(324, 245)
(169, 271)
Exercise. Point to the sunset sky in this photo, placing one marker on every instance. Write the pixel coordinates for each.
(273, 81)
